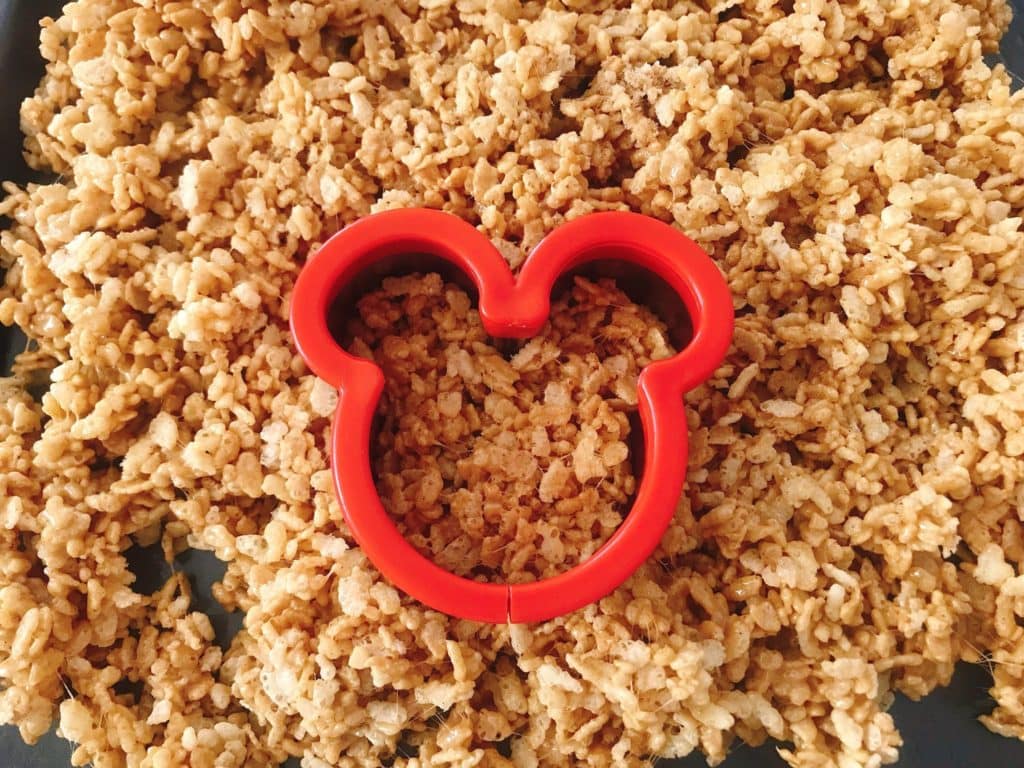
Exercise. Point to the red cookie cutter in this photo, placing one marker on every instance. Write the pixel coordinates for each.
(516, 308)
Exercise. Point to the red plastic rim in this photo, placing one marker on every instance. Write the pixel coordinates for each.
(512, 307)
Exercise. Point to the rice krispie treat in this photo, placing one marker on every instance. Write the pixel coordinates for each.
(851, 524)
(505, 467)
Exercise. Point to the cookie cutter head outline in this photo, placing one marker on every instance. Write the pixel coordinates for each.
(512, 307)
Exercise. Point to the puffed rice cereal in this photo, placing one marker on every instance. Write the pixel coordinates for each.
(851, 525)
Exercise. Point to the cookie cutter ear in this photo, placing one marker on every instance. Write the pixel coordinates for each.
(371, 248)
(666, 253)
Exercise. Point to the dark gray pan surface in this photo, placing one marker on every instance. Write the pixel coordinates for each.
(940, 732)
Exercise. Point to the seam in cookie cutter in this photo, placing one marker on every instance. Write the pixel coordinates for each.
(512, 307)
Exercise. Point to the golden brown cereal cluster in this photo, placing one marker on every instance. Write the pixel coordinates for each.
(851, 525)
(505, 468)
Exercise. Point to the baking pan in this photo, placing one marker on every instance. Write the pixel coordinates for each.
(939, 732)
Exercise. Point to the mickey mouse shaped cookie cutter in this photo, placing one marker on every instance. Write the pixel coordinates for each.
(510, 307)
